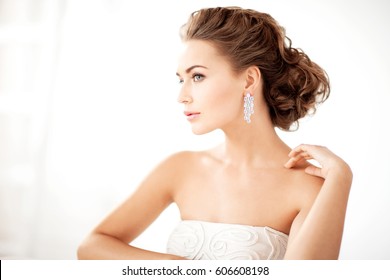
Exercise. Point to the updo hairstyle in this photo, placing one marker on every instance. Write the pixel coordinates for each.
(293, 84)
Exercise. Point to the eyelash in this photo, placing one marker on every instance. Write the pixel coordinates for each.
(193, 78)
(197, 75)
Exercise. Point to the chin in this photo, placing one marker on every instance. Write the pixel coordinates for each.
(197, 130)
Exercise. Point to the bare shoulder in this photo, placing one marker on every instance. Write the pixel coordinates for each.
(306, 187)
(180, 159)
(193, 157)
(168, 173)
(181, 164)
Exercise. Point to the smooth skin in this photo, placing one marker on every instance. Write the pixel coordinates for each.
(253, 178)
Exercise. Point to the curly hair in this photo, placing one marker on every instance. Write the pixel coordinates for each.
(293, 85)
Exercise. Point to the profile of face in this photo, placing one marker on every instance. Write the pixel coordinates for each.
(211, 92)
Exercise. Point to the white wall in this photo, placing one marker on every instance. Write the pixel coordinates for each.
(114, 116)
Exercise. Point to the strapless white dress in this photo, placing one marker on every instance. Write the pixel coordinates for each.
(199, 240)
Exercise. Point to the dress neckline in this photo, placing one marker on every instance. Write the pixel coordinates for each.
(233, 224)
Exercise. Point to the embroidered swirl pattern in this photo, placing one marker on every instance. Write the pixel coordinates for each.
(218, 241)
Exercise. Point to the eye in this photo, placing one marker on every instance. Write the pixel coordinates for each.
(181, 81)
(197, 77)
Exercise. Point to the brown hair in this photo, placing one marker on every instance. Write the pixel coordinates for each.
(293, 84)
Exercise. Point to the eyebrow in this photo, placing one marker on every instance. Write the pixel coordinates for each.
(188, 70)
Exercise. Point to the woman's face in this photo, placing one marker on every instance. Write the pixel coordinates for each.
(212, 94)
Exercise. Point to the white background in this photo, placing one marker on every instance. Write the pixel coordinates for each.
(111, 115)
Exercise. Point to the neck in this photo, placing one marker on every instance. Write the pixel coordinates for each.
(254, 145)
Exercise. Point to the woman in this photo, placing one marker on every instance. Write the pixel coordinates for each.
(251, 197)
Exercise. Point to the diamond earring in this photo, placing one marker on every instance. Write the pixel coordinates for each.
(248, 107)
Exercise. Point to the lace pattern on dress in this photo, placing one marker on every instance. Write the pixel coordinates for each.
(200, 240)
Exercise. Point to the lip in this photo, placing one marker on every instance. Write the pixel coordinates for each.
(191, 115)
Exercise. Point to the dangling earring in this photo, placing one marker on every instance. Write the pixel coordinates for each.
(248, 107)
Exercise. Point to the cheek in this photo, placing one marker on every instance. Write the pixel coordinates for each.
(220, 104)
(226, 101)
(220, 97)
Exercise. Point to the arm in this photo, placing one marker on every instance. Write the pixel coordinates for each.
(110, 239)
(317, 230)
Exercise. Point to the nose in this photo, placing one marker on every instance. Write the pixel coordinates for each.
(184, 96)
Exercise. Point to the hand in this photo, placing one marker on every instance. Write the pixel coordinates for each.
(328, 161)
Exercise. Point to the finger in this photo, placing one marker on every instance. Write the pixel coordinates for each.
(315, 171)
(299, 149)
(291, 162)
(316, 152)
(303, 155)
(296, 158)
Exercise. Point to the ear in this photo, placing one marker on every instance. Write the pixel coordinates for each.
(253, 78)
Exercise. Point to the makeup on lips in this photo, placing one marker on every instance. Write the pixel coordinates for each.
(191, 115)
